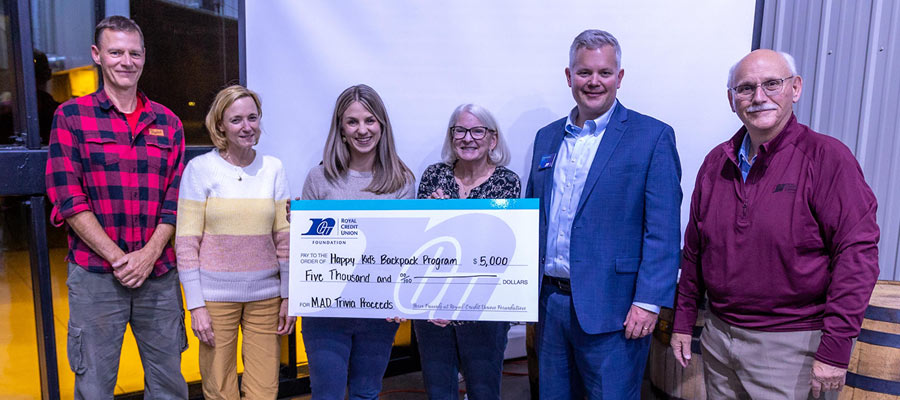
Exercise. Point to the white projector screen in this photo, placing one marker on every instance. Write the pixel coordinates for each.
(426, 57)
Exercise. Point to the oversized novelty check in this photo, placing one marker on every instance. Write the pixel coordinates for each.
(417, 259)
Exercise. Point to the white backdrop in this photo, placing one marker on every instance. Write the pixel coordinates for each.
(425, 57)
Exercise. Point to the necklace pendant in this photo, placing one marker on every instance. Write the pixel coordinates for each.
(240, 178)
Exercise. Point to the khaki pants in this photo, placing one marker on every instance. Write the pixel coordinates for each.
(258, 321)
(747, 364)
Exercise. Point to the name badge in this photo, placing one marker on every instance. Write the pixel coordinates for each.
(156, 132)
(546, 161)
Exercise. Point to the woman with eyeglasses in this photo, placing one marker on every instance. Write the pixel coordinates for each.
(359, 162)
(473, 167)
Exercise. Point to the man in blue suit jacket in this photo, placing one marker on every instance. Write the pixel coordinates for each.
(609, 183)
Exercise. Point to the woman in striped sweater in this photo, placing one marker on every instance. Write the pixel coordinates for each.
(232, 241)
(359, 162)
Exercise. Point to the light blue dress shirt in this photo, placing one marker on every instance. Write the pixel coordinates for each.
(743, 163)
(573, 162)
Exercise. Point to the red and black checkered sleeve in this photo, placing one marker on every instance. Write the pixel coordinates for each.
(63, 176)
(173, 181)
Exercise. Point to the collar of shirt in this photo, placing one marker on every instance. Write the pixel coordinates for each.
(792, 132)
(143, 110)
(592, 126)
(744, 162)
(105, 103)
(573, 162)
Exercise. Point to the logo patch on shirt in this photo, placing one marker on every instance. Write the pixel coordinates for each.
(156, 132)
(546, 161)
(785, 187)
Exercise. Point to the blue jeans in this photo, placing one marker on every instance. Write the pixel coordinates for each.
(347, 351)
(575, 364)
(100, 308)
(476, 347)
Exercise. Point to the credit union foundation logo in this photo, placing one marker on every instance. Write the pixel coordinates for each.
(320, 227)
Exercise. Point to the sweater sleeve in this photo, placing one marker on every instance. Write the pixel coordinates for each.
(408, 191)
(845, 207)
(189, 233)
(281, 229)
(311, 184)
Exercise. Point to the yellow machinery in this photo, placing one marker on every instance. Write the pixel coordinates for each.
(74, 82)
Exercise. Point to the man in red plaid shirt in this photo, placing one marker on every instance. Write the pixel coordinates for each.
(113, 172)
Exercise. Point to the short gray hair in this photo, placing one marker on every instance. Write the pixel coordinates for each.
(788, 59)
(499, 156)
(594, 39)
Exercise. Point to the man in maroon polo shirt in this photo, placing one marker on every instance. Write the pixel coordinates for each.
(783, 241)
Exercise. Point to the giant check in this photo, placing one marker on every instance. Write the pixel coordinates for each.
(416, 259)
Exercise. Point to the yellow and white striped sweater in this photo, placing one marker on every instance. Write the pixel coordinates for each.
(232, 238)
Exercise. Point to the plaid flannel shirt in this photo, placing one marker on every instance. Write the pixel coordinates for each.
(129, 183)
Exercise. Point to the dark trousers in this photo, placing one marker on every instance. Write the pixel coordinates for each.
(99, 310)
(575, 364)
(347, 351)
(474, 348)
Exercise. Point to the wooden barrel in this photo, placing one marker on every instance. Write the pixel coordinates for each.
(874, 371)
(668, 380)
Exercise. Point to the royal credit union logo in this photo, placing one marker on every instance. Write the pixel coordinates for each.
(320, 227)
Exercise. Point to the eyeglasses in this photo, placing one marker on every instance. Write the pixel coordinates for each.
(770, 87)
(478, 132)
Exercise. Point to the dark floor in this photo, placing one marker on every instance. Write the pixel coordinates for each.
(410, 387)
(515, 385)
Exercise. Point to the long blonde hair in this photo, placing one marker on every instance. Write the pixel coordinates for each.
(389, 173)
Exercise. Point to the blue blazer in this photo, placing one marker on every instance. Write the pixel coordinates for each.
(626, 235)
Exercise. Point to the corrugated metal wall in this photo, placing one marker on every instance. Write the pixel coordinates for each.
(848, 53)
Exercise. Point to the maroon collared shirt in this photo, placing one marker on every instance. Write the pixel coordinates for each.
(127, 176)
(795, 247)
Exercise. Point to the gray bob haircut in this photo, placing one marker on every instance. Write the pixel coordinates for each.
(499, 156)
(593, 39)
(788, 59)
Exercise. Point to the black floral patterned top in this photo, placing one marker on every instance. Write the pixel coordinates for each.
(502, 184)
